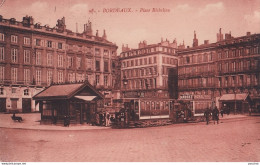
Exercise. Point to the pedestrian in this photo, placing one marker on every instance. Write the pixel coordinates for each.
(250, 110)
(222, 112)
(107, 119)
(66, 121)
(215, 114)
(101, 119)
(207, 115)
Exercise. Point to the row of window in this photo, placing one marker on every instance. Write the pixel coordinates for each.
(233, 53)
(227, 81)
(105, 52)
(197, 82)
(140, 72)
(57, 45)
(224, 67)
(194, 59)
(25, 92)
(168, 60)
(139, 62)
(72, 77)
(149, 71)
(217, 92)
(236, 66)
(148, 60)
(148, 50)
(196, 69)
(239, 80)
(14, 39)
(49, 62)
(207, 57)
(141, 84)
(48, 44)
(155, 105)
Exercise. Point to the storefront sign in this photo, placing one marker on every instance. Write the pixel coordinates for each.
(202, 97)
(186, 97)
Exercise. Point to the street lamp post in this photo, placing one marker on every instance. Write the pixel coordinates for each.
(125, 82)
(235, 92)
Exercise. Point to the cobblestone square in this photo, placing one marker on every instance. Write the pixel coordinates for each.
(233, 140)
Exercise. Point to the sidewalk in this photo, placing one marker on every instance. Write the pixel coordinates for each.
(32, 121)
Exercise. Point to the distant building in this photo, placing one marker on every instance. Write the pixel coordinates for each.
(238, 72)
(33, 56)
(145, 70)
(226, 72)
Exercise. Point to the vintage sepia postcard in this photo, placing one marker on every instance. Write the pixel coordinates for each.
(172, 81)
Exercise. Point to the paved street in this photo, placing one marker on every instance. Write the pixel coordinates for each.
(235, 140)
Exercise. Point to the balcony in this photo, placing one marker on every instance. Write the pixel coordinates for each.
(22, 83)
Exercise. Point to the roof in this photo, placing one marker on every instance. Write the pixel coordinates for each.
(65, 91)
(232, 97)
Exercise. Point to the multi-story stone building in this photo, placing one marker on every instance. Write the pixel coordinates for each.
(149, 79)
(34, 56)
(196, 71)
(146, 69)
(224, 73)
(238, 72)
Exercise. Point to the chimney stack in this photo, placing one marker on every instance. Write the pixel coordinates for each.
(195, 40)
(206, 42)
(219, 36)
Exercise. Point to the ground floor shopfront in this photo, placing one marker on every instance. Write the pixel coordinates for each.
(236, 103)
(18, 98)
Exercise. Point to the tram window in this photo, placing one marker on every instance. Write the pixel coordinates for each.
(157, 105)
(147, 105)
(162, 105)
(142, 105)
(166, 105)
(153, 106)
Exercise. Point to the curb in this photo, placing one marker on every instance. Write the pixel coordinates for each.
(86, 128)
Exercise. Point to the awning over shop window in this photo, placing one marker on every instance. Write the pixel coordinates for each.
(233, 97)
(86, 98)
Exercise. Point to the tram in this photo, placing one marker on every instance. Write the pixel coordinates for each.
(147, 112)
(143, 112)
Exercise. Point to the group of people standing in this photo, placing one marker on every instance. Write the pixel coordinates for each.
(101, 119)
(214, 113)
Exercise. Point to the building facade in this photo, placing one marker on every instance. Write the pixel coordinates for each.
(33, 56)
(197, 73)
(225, 72)
(238, 71)
(144, 71)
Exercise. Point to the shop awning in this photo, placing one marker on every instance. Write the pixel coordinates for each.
(233, 97)
(86, 98)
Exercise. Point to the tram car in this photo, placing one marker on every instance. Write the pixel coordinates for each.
(142, 112)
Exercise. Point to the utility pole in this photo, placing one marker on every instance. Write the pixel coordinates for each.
(235, 92)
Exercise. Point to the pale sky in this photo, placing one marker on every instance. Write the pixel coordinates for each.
(184, 16)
